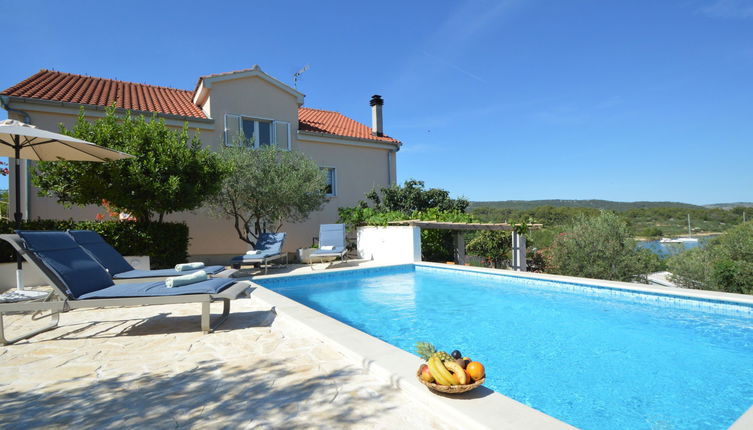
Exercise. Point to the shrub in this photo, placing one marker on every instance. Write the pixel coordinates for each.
(166, 243)
(724, 264)
(601, 247)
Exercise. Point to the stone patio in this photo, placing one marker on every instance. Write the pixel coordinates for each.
(151, 367)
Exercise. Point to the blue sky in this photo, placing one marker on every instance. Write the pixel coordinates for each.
(494, 100)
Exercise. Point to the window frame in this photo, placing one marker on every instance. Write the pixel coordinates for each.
(273, 130)
(334, 180)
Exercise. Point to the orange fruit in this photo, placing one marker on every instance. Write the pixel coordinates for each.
(476, 370)
(469, 378)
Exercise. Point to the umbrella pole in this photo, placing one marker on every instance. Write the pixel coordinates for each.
(17, 215)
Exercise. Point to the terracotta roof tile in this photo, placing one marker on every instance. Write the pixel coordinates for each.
(330, 122)
(88, 90)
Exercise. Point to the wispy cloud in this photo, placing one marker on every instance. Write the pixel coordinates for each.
(463, 26)
(739, 9)
(456, 67)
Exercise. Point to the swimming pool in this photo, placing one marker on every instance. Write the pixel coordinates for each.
(593, 357)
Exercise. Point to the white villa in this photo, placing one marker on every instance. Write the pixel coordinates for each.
(356, 157)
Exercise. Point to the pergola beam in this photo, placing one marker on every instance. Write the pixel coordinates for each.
(467, 226)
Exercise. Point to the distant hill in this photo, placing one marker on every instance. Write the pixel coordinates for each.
(597, 204)
(729, 205)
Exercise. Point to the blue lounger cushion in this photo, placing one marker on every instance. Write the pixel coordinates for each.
(164, 273)
(250, 258)
(84, 278)
(150, 289)
(80, 273)
(117, 266)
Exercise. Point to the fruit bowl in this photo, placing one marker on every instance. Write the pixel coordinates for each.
(450, 389)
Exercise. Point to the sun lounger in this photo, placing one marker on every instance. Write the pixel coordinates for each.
(120, 269)
(78, 281)
(331, 243)
(269, 248)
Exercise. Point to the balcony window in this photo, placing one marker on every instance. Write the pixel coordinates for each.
(257, 132)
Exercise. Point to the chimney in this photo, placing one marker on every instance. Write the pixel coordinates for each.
(377, 129)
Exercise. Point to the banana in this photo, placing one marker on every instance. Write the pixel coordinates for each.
(442, 370)
(457, 371)
(435, 371)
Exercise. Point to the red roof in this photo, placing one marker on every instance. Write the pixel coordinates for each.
(330, 122)
(88, 90)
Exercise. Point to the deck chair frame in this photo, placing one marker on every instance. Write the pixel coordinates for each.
(59, 302)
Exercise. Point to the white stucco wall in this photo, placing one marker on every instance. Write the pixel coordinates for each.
(394, 244)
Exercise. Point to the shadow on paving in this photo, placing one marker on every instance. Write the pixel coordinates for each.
(161, 323)
(264, 394)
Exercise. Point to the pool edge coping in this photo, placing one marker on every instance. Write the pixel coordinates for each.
(397, 375)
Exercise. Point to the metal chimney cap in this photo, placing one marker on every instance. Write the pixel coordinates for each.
(376, 99)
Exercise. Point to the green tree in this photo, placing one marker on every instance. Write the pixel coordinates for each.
(412, 196)
(171, 172)
(493, 246)
(724, 264)
(266, 187)
(601, 247)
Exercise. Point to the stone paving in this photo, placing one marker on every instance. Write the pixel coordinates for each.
(151, 367)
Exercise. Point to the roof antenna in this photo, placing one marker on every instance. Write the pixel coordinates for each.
(298, 74)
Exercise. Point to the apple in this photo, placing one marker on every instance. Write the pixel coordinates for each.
(426, 374)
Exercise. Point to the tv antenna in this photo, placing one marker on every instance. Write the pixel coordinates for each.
(298, 74)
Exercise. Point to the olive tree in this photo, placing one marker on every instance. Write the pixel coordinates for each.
(266, 187)
(171, 172)
(601, 247)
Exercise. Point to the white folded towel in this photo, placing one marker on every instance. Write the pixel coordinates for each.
(188, 266)
(177, 281)
(253, 252)
(327, 248)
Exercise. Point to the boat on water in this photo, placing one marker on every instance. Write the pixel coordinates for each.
(678, 239)
(690, 237)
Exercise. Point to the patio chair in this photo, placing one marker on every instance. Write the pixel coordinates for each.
(331, 243)
(120, 270)
(78, 281)
(269, 247)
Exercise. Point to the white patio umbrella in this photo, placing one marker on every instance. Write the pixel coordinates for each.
(23, 141)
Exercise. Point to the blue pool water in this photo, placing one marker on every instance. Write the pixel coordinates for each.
(595, 358)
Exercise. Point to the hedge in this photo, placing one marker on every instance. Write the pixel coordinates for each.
(165, 243)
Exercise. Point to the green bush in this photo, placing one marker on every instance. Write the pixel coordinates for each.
(493, 246)
(724, 264)
(601, 247)
(165, 243)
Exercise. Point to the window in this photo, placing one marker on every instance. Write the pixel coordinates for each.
(257, 132)
(330, 190)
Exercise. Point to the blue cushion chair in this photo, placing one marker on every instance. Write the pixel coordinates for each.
(78, 281)
(117, 266)
(269, 247)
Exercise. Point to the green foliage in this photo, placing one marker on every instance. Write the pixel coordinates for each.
(412, 196)
(651, 232)
(171, 172)
(493, 246)
(436, 245)
(166, 243)
(724, 264)
(601, 247)
(4, 204)
(265, 187)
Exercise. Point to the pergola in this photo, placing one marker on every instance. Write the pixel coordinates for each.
(460, 228)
